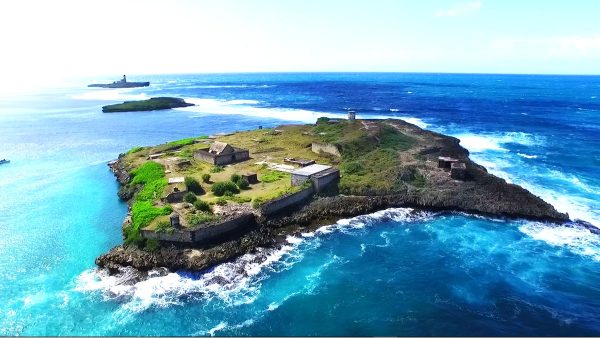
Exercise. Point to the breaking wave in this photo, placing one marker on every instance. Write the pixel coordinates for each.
(234, 283)
(574, 238)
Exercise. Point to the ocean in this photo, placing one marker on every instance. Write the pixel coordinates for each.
(394, 272)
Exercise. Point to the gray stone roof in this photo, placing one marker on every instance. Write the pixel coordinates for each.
(220, 148)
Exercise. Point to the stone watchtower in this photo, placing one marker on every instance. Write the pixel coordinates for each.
(351, 115)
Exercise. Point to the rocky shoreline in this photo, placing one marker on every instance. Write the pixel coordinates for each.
(482, 194)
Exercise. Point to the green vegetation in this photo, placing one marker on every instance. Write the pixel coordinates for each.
(202, 206)
(190, 197)
(390, 138)
(243, 184)
(151, 245)
(164, 226)
(151, 175)
(221, 188)
(235, 178)
(216, 169)
(135, 150)
(236, 199)
(221, 201)
(155, 103)
(193, 185)
(195, 219)
(205, 178)
(142, 213)
(272, 176)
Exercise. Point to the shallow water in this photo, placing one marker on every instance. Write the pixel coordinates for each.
(390, 273)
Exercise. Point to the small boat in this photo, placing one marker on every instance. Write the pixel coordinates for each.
(3, 161)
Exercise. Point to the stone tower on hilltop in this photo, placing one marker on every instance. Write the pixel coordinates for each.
(351, 115)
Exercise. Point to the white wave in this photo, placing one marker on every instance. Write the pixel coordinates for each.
(234, 283)
(527, 156)
(244, 107)
(394, 110)
(103, 94)
(577, 239)
(477, 143)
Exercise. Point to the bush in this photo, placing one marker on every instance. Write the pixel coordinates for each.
(257, 202)
(205, 178)
(243, 183)
(221, 201)
(202, 206)
(352, 167)
(193, 185)
(216, 169)
(235, 178)
(220, 188)
(322, 119)
(190, 197)
(201, 218)
(164, 226)
(151, 245)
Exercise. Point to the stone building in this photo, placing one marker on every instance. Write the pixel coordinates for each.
(458, 171)
(320, 175)
(221, 153)
(446, 162)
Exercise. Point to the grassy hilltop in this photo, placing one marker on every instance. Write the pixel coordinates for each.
(376, 159)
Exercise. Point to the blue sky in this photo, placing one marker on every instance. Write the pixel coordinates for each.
(66, 38)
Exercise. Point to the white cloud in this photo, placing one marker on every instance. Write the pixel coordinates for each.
(462, 9)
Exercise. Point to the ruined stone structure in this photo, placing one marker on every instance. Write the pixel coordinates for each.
(320, 175)
(303, 162)
(446, 162)
(221, 153)
(327, 148)
(458, 171)
(252, 178)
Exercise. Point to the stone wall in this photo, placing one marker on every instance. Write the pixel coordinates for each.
(181, 236)
(328, 148)
(222, 227)
(322, 180)
(285, 201)
(204, 156)
(175, 196)
(202, 234)
(223, 159)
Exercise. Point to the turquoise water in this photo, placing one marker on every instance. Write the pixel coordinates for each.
(398, 272)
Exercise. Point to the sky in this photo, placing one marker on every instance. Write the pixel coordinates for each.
(53, 40)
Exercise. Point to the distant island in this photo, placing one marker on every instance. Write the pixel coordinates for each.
(155, 103)
(120, 84)
(205, 200)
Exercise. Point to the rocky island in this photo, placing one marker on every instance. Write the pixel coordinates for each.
(202, 201)
(120, 84)
(155, 103)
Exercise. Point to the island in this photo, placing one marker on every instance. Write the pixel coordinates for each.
(120, 84)
(155, 103)
(201, 201)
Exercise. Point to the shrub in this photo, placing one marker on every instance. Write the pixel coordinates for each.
(221, 201)
(190, 197)
(352, 167)
(235, 178)
(164, 226)
(151, 245)
(205, 178)
(272, 176)
(237, 199)
(216, 169)
(200, 218)
(193, 185)
(257, 202)
(243, 183)
(220, 188)
(202, 206)
(322, 119)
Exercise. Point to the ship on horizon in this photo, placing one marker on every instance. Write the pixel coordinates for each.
(120, 84)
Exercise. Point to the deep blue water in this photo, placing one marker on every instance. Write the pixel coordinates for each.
(391, 273)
